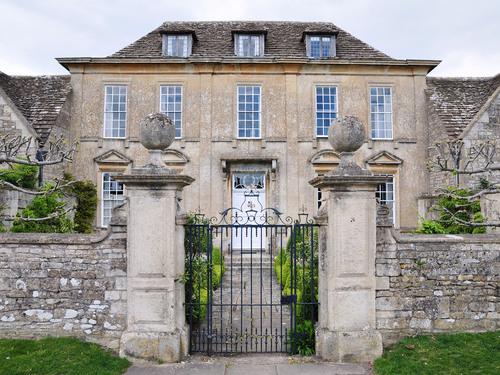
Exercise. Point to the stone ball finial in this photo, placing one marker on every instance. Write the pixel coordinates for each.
(156, 131)
(346, 134)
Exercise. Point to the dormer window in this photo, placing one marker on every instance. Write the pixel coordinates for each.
(177, 45)
(320, 46)
(249, 45)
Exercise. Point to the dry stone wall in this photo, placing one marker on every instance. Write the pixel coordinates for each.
(64, 285)
(76, 285)
(436, 284)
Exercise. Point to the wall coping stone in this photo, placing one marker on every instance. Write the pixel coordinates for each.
(118, 220)
(447, 238)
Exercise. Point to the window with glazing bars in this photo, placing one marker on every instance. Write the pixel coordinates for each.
(381, 112)
(112, 196)
(178, 45)
(171, 105)
(385, 193)
(249, 45)
(115, 111)
(249, 111)
(321, 46)
(326, 108)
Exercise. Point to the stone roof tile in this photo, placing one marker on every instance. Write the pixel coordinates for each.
(283, 39)
(39, 98)
(458, 100)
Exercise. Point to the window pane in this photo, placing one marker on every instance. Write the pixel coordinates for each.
(115, 111)
(381, 112)
(248, 45)
(249, 111)
(326, 108)
(385, 193)
(112, 195)
(171, 105)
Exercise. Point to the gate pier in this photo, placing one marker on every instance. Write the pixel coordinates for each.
(347, 324)
(156, 328)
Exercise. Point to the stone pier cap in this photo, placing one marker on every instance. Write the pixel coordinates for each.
(346, 135)
(156, 133)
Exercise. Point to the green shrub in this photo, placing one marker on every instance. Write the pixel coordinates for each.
(461, 209)
(303, 274)
(40, 207)
(24, 176)
(86, 205)
(217, 256)
(302, 339)
(196, 235)
(198, 269)
(430, 227)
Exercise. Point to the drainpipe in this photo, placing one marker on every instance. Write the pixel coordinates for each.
(40, 156)
(457, 154)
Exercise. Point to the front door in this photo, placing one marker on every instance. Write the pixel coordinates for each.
(249, 198)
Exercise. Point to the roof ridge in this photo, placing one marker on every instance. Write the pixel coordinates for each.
(284, 39)
(457, 100)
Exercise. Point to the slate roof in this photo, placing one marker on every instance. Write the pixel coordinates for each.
(282, 40)
(39, 98)
(458, 100)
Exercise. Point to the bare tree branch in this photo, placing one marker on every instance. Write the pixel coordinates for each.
(474, 197)
(54, 215)
(58, 185)
(453, 156)
(19, 150)
(457, 157)
(455, 219)
(12, 148)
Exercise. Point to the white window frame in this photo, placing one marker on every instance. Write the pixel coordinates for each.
(172, 106)
(115, 111)
(115, 201)
(332, 52)
(244, 109)
(381, 112)
(171, 46)
(256, 41)
(389, 187)
(321, 112)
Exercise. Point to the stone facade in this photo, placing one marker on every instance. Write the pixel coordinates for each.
(436, 284)
(487, 127)
(288, 151)
(65, 285)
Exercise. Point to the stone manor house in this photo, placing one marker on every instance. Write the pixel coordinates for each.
(252, 103)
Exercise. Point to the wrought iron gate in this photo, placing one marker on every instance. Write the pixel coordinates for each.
(251, 281)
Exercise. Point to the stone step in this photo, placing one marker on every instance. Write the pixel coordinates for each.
(255, 266)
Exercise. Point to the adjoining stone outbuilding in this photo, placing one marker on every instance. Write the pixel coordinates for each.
(36, 107)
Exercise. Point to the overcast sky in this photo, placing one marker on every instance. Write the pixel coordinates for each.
(465, 35)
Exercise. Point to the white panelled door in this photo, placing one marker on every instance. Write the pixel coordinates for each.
(249, 199)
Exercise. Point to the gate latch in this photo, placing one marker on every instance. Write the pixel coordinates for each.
(286, 300)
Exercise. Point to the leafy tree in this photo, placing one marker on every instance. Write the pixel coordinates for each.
(21, 168)
(459, 208)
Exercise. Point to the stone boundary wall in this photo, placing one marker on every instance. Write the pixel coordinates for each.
(65, 284)
(436, 284)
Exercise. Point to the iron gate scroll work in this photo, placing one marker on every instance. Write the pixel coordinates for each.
(251, 280)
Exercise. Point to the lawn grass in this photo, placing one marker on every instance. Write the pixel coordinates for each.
(68, 356)
(462, 353)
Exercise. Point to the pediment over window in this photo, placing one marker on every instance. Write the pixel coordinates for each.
(384, 158)
(325, 161)
(175, 159)
(384, 163)
(113, 157)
